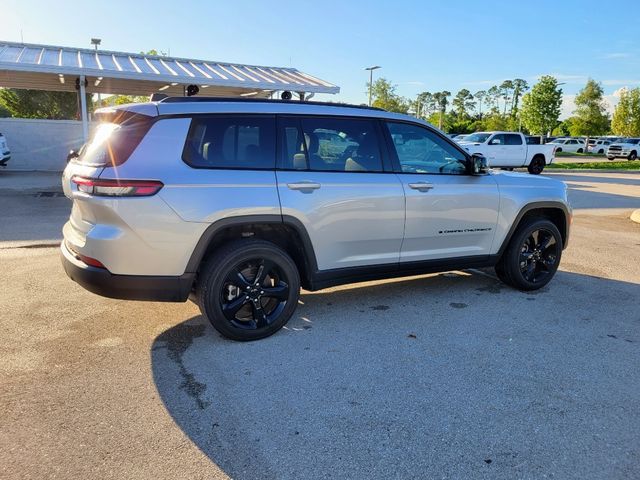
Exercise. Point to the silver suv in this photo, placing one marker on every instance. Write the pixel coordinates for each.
(237, 204)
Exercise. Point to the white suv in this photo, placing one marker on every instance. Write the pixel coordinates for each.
(237, 204)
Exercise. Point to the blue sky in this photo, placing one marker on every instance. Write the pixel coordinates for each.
(421, 46)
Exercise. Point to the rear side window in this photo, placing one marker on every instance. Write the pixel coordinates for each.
(330, 144)
(231, 142)
(112, 143)
(513, 139)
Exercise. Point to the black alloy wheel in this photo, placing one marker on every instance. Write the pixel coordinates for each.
(248, 289)
(538, 255)
(532, 256)
(254, 294)
(536, 166)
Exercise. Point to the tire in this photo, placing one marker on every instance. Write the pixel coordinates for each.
(527, 264)
(231, 274)
(579, 150)
(611, 158)
(558, 150)
(633, 155)
(536, 166)
(600, 152)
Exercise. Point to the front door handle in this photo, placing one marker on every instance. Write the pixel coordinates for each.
(421, 186)
(303, 186)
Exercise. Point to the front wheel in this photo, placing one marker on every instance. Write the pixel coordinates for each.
(536, 166)
(580, 150)
(532, 257)
(632, 156)
(248, 289)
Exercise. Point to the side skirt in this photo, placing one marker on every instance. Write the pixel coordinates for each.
(341, 276)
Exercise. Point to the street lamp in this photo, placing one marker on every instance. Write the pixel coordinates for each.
(371, 69)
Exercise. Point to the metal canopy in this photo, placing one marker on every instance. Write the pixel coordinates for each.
(47, 67)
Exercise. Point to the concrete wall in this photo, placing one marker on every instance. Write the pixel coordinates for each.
(40, 144)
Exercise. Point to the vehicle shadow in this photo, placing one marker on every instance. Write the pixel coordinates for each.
(450, 375)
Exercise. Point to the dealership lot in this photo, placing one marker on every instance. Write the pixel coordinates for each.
(437, 376)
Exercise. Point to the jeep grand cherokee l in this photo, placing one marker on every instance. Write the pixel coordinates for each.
(237, 204)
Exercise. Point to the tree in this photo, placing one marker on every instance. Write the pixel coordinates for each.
(493, 96)
(564, 128)
(506, 92)
(520, 86)
(442, 100)
(541, 106)
(463, 103)
(626, 116)
(480, 96)
(590, 116)
(385, 97)
(40, 104)
(424, 105)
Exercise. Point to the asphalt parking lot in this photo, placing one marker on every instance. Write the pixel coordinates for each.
(439, 376)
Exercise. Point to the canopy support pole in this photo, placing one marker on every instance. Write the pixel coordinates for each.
(84, 116)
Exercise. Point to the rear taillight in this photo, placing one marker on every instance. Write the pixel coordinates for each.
(117, 188)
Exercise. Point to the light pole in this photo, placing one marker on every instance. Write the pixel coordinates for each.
(371, 69)
(95, 42)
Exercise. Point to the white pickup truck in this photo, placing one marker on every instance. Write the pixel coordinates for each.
(509, 150)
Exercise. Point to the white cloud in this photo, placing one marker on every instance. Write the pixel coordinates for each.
(568, 104)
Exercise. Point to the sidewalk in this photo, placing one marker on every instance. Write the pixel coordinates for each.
(29, 183)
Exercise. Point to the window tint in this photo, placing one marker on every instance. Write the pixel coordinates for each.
(422, 151)
(330, 144)
(231, 141)
(511, 139)
(497, 140)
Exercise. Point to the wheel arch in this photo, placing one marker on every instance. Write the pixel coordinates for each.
(285, 231)
(556, 212)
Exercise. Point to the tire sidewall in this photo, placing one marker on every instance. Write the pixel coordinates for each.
(217, 271)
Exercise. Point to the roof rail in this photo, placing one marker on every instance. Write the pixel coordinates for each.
(262, 100)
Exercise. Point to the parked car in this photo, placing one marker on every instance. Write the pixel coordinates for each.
(599, 146)
(188, 198)
(570, 145)
(5, 153)
(509, 150)
(627, 148)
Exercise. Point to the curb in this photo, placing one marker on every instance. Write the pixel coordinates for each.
(635, 216)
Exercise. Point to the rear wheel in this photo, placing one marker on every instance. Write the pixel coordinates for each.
(532, 257)
(536, 166)
(633, 155)
(248, 289)
(558, 150)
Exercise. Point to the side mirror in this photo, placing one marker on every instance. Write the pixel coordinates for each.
(72, 154)
(479, 164)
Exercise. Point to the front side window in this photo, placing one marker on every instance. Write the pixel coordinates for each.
(231, 141)
(420, 150)
(497, 140)
(330, 144)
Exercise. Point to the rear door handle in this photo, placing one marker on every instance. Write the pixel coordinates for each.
(421, 186)
(303, 186)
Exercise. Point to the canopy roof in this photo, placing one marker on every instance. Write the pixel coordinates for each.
(47, 67)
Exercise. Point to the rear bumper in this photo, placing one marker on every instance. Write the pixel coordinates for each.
(126, 287)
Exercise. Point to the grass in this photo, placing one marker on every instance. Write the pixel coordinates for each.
(570, 154)
(622, 165)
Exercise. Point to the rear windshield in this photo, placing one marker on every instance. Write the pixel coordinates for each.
(113, 142)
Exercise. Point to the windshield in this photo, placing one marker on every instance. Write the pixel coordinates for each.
(477, 137)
